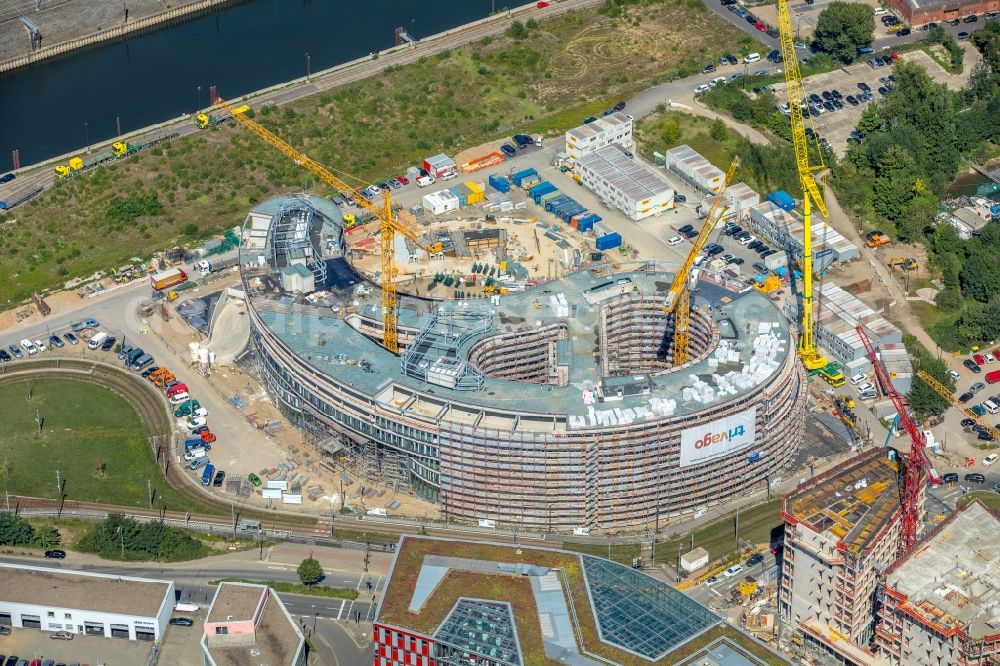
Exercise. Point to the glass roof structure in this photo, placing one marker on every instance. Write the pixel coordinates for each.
(640, 614)
(484, 628)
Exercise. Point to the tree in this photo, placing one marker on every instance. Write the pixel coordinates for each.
(49, 537)
(894, 181)
(719, 131)
(923, 398)
(871, 120)
(671, 132)
(843, 28)
(517, 30)
(310, 572)
(980, 276)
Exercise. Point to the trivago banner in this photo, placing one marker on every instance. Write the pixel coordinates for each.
(718, 438)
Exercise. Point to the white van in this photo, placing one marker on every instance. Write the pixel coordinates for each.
(194, 454)
(991, 406)
(97, 340)
(751, 57)
(424, 181)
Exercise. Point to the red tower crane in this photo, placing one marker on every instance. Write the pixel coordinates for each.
(916, 461)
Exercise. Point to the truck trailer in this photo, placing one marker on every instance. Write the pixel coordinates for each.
(167, 278)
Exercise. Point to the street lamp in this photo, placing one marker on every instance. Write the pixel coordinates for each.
(86, 133)
(198, 108)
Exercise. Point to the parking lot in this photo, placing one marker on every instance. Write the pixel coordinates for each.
(33, 644)
(836, 126)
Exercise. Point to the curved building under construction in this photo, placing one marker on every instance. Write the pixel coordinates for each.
(555, 406)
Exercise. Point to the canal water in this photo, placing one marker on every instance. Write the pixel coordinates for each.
(64, 105)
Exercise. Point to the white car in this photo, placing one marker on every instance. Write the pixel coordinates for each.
(880, 11)
(717, 80)
(194, 454)
(990, 459)
(867, 386)
(988, 357)
(702, 88)
(29, 346)
(179, 398)
(675, 240)
(867, 395)
(858, 378)
(192, 423)
(746, 240)
(954, 375)
(733, 570)
(41, 345)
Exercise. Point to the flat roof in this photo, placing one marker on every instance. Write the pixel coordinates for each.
(632, 178)
(628, 617)
(356, 360)
(276, 639)
(83, 590)
(850, 503)
(952, 578)
(234, 602)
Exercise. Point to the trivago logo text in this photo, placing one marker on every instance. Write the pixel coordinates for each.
(720, 437)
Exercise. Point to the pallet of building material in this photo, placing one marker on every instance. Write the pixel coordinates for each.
(369, 492)
(315, 489)
(393, 505)
(345, 479)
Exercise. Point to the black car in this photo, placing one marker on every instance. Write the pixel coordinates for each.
(199, 430)
(829, 107)
(750, 18)
(708, 69)
(739, 261)
(985, 437)
(108, 343)
(826, 95)
(686, 228)
(815, 99)
(904, 32)
(16, 351)
(864, 86)
(619, 106)
(680, 198)
(837, 104)
(508, 150)
(850, 99)
(754, 560)
(4, 356)
(954, 22)
(55, 554)
(6, 178)
(963, 35)
(972, 365)
(731, 59)
(148, 371)
(968, 423)
(836, 94)
(970, 19)
(220, 476)
(966, 397)
(56, 341)
(181, 622)
(975, 477)
(950, 477)
(12, 660)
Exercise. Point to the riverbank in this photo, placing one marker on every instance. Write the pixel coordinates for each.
(78, 24)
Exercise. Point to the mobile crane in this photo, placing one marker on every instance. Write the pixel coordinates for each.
(808, 352)
(942, 391)
(391, 221)
(678, 299)
(916, 462)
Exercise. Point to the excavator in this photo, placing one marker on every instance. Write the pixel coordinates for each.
(904, 263)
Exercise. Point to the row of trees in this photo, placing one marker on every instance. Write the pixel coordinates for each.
(118, 537)
(16, 531)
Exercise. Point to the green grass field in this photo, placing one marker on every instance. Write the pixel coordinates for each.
(758, 524)
(548, 80)
(619, 552)
(83, 427)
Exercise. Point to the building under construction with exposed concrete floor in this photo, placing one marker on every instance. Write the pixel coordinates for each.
(842, 531)
(554, 406)
(941, 603)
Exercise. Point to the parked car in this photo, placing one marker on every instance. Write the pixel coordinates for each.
(977, 387)
(733, 570)
(181, 622)
(972, 365)
(674, 240)
(508, 150)
(968, 423)
(108, 343)
(56, 341)
(975, 477)
(708, 69)
(6, 178)
(61, 636)
(55, 554)
(990, 459)
(70, 338)
(950, 477)
(220, 476)
(966, 397)
(16, 351)
(754, 560)
(4, 356)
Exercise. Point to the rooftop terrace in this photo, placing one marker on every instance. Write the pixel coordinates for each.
(953, 578)
(851, 504)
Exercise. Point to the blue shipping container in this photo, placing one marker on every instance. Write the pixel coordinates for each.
(541, 188)
(585, 224)
(499, 183)
(782, 200)
(553, 203)
(609, 241)
(521, 175)
(462, 201)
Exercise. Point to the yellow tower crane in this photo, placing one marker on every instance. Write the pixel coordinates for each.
(392, 222)
(943, 391)
(678, 299)
(808, 352)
